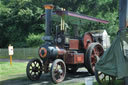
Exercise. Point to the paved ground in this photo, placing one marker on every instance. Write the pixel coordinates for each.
(71, 79)
(46, 79)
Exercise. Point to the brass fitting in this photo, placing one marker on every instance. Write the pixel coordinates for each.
(48, 6)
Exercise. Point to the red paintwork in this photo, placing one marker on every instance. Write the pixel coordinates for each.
(88, 39)
(74, 44)
(74, 58)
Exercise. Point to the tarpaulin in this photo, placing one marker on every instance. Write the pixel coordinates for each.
(114, 61)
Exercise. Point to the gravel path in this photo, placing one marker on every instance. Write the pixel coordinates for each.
(15, 60)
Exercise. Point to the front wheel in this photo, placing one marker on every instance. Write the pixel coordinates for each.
(58, 71)
(34, 69)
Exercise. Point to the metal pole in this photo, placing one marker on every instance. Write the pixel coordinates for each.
(123, 12)
(123, 20)
(11, 60)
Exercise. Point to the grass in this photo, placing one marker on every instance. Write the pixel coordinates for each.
(7, 71)
(117, 82)
(18, 72)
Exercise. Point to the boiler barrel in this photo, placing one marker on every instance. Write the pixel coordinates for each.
(51, 52)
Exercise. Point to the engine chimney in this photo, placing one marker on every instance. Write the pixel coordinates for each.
(48, 13)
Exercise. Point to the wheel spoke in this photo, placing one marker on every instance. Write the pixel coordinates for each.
(94, 50)
(38, 66)
(104, 77)
(56, 67)
(31, 65)
(58, 71)
(61, 76)
(34, 69)
(93, 60)
(109, 78)
(39, 69)
(34, 73)
(100, 73)
(37, 73)
(30, 69)
(55, 73)
(31, 72)
(35, 64)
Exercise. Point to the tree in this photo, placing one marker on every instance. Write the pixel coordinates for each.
(20, 18)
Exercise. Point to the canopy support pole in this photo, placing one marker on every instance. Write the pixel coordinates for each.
(123, 20)
(123, 14)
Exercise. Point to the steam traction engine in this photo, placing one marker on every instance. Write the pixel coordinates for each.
(60, 54)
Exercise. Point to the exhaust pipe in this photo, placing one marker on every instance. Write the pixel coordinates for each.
(48, 15)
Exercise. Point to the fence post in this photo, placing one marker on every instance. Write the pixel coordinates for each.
(24, 52)
(0, 52)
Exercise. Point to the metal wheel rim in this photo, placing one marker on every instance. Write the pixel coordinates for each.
(96, 53)
(104, 78)
(34, 69)
(56, 74)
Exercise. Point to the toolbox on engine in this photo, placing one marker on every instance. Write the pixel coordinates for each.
(75, 58)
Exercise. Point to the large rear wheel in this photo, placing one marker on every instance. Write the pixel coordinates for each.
(93, 54)
(34, 69)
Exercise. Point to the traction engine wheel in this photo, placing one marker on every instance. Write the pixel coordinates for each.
(87, 40)
(104, 78)
(58, 71)
(34, 69)
(93, 54)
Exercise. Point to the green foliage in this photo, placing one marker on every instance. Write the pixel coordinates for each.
(20, 18)
(34, 40)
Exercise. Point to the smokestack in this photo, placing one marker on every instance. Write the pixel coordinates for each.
(48, 13)
(123, 14)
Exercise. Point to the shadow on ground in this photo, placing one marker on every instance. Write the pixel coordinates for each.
(46, 80)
